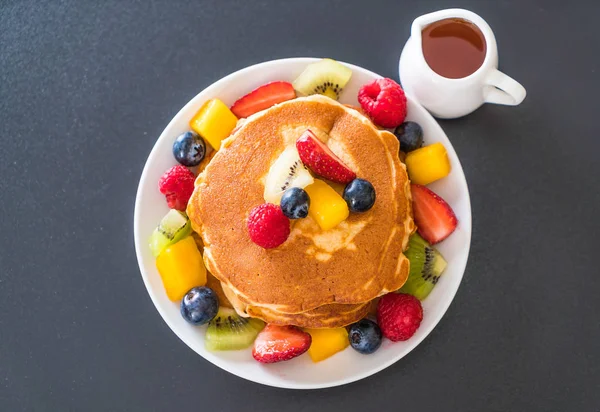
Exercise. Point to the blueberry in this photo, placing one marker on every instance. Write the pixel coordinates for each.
(189, 149)
(295, 203)
(410, 135)
(200, 305)
(359, 194)
(365, 336)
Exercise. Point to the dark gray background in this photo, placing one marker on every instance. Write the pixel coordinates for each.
(86, 87)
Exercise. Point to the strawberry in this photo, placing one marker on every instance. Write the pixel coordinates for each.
(399, 316)
(434, 218)
(267, 226)
(320, 159)
(384, 101)
(280, 343)
(177, 184)
(263, 98)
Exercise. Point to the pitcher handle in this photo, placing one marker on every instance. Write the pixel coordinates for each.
(505, 90)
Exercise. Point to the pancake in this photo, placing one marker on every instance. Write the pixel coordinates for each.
(333, 315)
(213, 283)
(351, 264)
(327, 316)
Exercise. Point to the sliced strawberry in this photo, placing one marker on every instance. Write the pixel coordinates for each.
(434, 218)
(280, 343)
(262, 98)
(320, 159)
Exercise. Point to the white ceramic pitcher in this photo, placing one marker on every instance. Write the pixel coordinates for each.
(450, 98)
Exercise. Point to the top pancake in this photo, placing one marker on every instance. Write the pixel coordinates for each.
(353, 263)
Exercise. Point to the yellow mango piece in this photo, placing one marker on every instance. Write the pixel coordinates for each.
(327, 207)
(181, 268)
(327, 342)
(214, 122)
(428, 164)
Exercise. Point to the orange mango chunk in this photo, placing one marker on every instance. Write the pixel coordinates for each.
(327, 207)
(214, 122)
(327, 342)
(428, 164)
(181, 268)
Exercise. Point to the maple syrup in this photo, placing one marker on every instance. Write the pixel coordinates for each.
(453, 48)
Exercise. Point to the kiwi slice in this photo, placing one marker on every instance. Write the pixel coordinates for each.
(287, 171)
(230, 331)
(171, 229)
(426, 267)
(326, 77)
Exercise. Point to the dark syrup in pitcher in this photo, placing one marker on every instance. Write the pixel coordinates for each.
(453, 48)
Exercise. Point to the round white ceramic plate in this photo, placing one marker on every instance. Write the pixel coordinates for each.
(300, 373)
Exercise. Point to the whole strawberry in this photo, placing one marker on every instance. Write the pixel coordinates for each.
(399, 316)
(268, 227)
(384, 101)
(177, 184)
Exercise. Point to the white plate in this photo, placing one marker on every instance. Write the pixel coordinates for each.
(300, 373)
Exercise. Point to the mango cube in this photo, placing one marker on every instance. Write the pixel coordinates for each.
(181, 268)
(428, 164)
(327, 342)
(214, 122)
(327, 207)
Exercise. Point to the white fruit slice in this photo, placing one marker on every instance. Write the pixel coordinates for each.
(287, 171)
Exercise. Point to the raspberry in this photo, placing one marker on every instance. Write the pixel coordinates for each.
(399, 316)
(384, 101)
(267, 225)
(177, 184)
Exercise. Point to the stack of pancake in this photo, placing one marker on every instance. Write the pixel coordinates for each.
(317, 278)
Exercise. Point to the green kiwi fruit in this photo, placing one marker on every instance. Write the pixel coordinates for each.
(230, 331)
(326, 77)
(173, 227)
(426, 267)
(287, 171)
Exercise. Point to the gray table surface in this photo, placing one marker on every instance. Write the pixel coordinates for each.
(86, 87)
